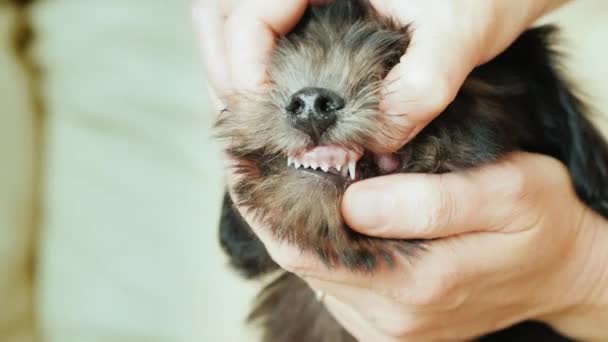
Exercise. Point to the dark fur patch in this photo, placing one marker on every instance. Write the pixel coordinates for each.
(517, 102)
(247, 252)
(287, 301)
(23, 38)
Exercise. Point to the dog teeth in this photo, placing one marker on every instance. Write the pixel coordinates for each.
(344, 172)
(326, 158)
(352, 166)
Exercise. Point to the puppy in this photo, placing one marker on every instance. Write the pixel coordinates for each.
(318, 128)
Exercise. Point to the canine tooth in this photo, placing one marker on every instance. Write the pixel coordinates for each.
(339, 167)
(352, 166)
(344, 172)
(297, 165)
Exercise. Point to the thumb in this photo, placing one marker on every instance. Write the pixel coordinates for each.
(424, 83)
(427, 206)
(251, 33)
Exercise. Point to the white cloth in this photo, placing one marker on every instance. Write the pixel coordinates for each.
(132, 183)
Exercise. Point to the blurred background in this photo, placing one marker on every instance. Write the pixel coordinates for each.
(110, 182)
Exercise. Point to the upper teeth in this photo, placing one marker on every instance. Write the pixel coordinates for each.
(352, 166)
(350, 171)
(325, 157)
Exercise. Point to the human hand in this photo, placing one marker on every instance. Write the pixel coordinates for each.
(449, 39)
(246, 70)
(510, 244)
(237, 37)
(236, 41)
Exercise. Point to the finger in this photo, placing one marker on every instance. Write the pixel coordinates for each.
(408, 206)
(413, 206)
(465, 258)
(308, 265)
(424, 82)
(208, 17)
(251, 31)
(217, 104)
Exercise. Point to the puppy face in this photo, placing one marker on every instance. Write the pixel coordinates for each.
(322, 106)
(317, 127)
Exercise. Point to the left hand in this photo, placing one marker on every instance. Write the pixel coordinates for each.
(512, 242)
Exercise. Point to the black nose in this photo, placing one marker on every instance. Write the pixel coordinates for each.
(314, 110)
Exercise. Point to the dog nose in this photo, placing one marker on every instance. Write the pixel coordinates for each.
(314, 110)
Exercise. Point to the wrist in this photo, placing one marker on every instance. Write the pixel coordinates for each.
(584, 288)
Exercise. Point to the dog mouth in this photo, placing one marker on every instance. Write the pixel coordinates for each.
(350, 164)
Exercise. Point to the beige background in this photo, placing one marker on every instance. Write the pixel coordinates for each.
(17, 180)
(131, 180)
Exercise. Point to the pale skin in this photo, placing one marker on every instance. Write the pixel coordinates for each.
(513, 242)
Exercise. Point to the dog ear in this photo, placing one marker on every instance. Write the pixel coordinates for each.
(564, 123)
(246, 252)
(584, 150)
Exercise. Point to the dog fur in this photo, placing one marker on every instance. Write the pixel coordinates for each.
(517, 102)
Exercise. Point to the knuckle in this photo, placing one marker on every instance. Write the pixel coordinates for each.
(288, 258)
(437, 94)
(513, 181)
(430, 90)
(442, 96)
(289, 263)
(516, 183)
(560, 174)
(521, 183)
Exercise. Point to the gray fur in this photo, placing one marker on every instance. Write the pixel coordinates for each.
(349, 57)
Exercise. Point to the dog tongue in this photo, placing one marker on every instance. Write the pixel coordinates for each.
(387, 163)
